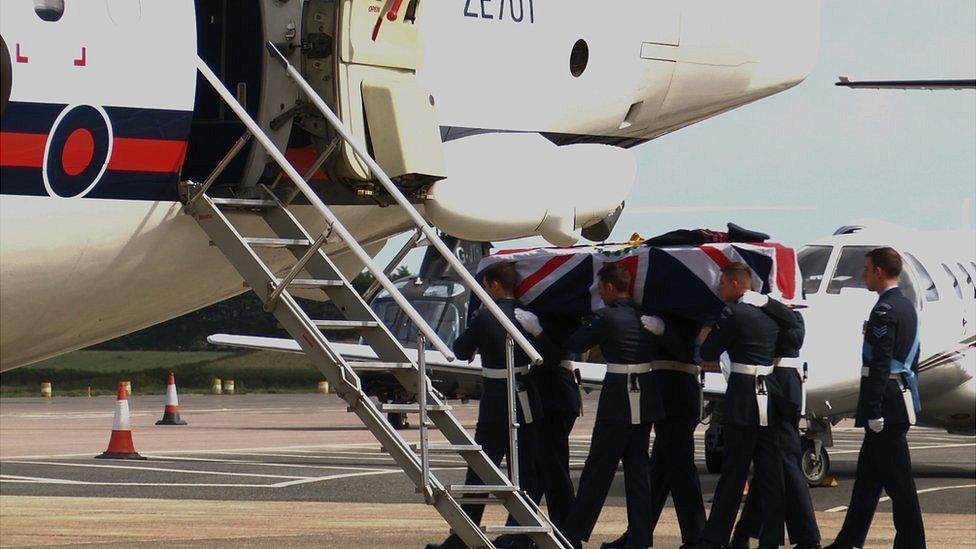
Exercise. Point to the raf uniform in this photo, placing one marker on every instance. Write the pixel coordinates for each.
(561, 405)
(629, 404)
(672, 466)
(889, 391)
(788, 405)
(749, 336)
(486, 335)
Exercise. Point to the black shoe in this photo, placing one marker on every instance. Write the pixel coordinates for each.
(814, 545)
(739, 542)
(618, 543)
(838, 545)
(452, 542)
(513, 541)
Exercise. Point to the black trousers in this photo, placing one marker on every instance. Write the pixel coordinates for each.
(673, 471)
(493, 438)
(553, 464)
(612, 442)
(743, 445)
(884, 463)
(801, 522)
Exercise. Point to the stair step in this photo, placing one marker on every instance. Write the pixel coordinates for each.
(250, 203)
(345, 324)
(262, 242)
(442, 448)
(415, 408)
(312, 283)
(380, 366)
(479, 501)
(516, 529)
(480, 488)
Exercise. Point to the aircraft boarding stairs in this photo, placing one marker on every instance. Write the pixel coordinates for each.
(314, 270)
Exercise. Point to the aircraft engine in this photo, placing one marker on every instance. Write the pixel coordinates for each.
(505, 186)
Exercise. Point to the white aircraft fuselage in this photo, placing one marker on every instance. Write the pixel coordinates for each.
(939, 276)
(105, 115)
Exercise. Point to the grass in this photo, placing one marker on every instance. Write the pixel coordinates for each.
(252, 371)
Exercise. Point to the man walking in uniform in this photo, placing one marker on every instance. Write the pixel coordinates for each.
(672, 464)
(886, 407)
(788, 403)
(487, 336)
(629, 404)
(561, 405)
(749, 337)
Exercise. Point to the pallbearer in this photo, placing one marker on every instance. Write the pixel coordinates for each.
(487, 336)
(787, 405)
(672, 466)
(749, 336)
(560, 397)
(629, 404)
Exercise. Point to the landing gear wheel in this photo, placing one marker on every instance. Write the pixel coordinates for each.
(815, 464)
(398, 420)
(713, 461)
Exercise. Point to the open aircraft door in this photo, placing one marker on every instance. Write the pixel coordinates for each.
(362, 57)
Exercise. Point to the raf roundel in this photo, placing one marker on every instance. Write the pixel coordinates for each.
(77, 152)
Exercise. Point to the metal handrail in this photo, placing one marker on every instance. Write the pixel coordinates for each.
(375, 169)
(316, 202)
(422, 402)
(513, 468)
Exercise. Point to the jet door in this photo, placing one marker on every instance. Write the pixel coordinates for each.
(369, 78)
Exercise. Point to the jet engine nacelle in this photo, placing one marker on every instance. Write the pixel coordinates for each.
(505, 186)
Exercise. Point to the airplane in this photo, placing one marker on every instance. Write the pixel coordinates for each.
(105, 111)
(935, 84)
(939, 276)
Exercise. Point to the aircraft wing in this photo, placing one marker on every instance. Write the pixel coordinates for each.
(959, 84)
(591, 374)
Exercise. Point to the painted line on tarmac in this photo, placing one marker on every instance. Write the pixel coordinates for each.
(286, 484)
(840, 508)
(250, 462)
(911, 448)
(156, 469)
(314, 447)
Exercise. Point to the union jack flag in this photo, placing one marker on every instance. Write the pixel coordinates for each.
(673, 279)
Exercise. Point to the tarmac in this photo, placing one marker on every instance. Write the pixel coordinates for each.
(298, 470)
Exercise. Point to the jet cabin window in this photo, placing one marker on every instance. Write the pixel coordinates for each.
(968, 277)
(850, 265)
(955, 281)
(49, 10)
(931, 292)
(813, 263)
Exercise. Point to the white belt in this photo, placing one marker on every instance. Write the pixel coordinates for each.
(751, 370)
(675, 366)
(633, 396)
(906, 393)
(502, 373)
(762, 399)
(785, 362)
(866, 371)
(642, 368)
(798, 365)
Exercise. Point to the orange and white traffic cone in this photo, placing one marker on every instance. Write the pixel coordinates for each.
(120, 445)
(171, 412)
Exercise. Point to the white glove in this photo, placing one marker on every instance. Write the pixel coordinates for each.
(529, 321)
(755, 299)
(653, 324)
(876, 425)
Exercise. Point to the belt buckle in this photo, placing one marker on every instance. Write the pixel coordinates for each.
(760, 385)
